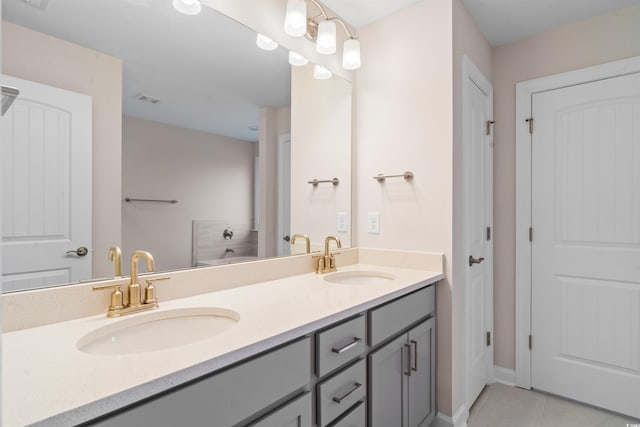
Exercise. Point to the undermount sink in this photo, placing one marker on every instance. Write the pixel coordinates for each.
(158, 331)
(359, 278)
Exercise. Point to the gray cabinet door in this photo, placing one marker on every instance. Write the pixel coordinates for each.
(387, 388)
(421, 383)
(295, 414)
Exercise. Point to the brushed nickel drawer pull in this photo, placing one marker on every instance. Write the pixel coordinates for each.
(349, 346)
(339, 399)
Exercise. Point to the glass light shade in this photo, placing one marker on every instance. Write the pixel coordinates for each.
(351, 55)
(188, 7)
(266, 43)
(321, 73)
(295, 21)
(297, 59)
(326, 42)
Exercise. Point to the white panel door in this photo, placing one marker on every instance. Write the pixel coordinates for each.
(46, 187)
(284, 194)
(478, 243)
(586, 243)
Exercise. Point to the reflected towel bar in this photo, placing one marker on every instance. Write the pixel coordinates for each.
(315, 182)
(129, 199)
(407, 176)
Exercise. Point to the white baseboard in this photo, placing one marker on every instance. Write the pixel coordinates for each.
(504, 376)
(459, 419)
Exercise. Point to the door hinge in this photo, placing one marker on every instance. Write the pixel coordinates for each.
(488, 233)
(531, 234)
(530, 121)
(488, 338)
(489, 123)
(530, 342)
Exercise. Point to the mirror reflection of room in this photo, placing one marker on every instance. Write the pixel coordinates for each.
(176, 151)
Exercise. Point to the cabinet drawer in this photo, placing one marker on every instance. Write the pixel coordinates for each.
(341, 392)
(391, 318)
(226, 398)
(340, 344)
(296, 413)
(355, 417)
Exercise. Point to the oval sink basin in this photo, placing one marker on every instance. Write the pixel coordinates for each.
(359, 277)
(158, 331)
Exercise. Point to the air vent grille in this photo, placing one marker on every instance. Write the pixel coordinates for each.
(147, 98)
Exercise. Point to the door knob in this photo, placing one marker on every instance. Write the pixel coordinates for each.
(81, 251)
(286, 238)
(473, 260)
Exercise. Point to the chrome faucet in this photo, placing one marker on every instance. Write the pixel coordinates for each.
(117, 307)
(306, 239)
(327, 262)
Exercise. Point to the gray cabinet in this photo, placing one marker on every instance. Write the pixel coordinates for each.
(401, 379)
(297, 413)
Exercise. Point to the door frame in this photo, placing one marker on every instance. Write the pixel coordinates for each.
(524, 92)
(470, 72)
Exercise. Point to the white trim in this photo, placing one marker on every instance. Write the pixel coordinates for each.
(459, 418)
(470, 72)
(504, 376)
(524, 92)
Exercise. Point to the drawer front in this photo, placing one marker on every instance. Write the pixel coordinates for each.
(296, 413)
(355, 417)
(391, 318)
(226, 398)
(340, 392)
(340, 344)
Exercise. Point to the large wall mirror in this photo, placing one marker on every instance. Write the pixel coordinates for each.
(145, 128)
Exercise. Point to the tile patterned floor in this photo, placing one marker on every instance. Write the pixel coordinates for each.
(503, 406)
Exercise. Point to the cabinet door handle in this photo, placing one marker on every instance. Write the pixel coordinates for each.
(349, 346)
(415, 355)
(408, 348)
(339, 399)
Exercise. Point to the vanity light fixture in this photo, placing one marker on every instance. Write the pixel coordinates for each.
(297, 59)
(321, 73)
(321, 29)
(266, 43)
(188, 7)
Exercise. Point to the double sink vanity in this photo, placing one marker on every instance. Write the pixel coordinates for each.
(269, 343)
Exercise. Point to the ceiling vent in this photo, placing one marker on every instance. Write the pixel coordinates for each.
(36, 4)
(147, 98)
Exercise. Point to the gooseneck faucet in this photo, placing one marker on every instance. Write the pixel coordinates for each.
(134, 286)
(115, 255)
(327, 262)
(134, 304)
(306, 239)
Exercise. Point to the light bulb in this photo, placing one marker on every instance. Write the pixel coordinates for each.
(326, 42)
(188, 7)
(295, 21)
(297, 59)
(351, 55)
(321, 73)
(266, 43)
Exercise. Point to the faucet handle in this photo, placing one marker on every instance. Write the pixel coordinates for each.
(150, 290)
(116, 299)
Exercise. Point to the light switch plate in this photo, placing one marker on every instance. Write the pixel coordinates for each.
(373, 223)
(341, 222)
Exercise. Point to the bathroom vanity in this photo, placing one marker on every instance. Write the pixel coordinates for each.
(351, 348)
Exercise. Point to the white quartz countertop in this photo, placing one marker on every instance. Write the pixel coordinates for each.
(46, 380)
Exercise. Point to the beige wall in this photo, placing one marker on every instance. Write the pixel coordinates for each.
(211, 176)
(404, 123)
(320, 149)
(602, 39)
(467, 40)
(34, 56)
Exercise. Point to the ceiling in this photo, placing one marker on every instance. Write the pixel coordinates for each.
(206, 70)
(501, 21)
